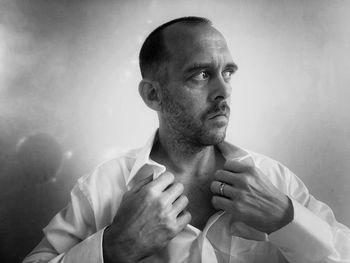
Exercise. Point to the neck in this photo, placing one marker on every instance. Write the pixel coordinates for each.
(180, 156)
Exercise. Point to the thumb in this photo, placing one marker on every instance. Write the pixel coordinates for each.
(137, 187)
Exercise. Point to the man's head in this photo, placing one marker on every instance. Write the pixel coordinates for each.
(154, 54)
(186, 68)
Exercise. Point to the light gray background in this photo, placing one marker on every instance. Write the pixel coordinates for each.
(69, 68)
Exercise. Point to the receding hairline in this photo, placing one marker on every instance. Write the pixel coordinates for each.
(175, 32)
(190, 21)
(182, 28)
(151, 59)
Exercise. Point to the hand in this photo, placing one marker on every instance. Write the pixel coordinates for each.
(250, 197)
(150, 215)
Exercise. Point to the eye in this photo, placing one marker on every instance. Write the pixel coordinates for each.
(201, 76)
(227, 74)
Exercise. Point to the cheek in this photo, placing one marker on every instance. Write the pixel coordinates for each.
(191, 102)
(195, 98)
(193, 106)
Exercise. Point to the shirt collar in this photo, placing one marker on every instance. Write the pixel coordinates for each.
(144, 166)
(230, 151)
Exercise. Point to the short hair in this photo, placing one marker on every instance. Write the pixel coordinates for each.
(154, 53)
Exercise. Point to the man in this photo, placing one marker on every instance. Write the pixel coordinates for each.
(189, 196)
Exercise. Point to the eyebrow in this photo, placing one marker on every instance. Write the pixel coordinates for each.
(198, 66)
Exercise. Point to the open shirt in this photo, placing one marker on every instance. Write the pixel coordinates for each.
(75, 234)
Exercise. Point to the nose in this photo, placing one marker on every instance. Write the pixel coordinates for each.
(220, 89)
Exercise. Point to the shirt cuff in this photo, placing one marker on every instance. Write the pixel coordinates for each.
(87, 251)
(306, 236)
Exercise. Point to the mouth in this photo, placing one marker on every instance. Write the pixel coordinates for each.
(220, 111)
(219, 115)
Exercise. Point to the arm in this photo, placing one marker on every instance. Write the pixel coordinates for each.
(71, 235)
(149, 216)
(314, 235)
(303, 228)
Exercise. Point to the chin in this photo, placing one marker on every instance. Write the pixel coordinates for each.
(213, 137)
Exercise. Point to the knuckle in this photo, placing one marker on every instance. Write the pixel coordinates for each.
(212, 184)
(180, 187)
(251, 179)
(218, 173)
(173, 230)
(165, 218)
(211, 188)
(246, 179)
(239, 206)
(182, 202)
(149, 185)
(161, 204)
(229, 193)
(185, 199)
(168, 222)
(146, 188)
(151, 194)
(169, 175)
(214, 201)
(240, 198)
(188, 217)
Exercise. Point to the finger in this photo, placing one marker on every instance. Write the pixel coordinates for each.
(180, 204)
(239, 165)
(183, 219)
(221, 203)
(228, 191)
(163, 181)
(173, 192)
(142, 183)
(228, 177)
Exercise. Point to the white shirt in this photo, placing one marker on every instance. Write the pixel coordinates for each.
(75, 233)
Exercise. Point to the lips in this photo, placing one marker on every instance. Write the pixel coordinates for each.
(219, 110)
(219, 114)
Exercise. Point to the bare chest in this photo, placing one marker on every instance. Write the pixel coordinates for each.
(200, 207)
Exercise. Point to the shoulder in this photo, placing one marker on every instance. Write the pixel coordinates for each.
(278, 173)
(105, 186)
(263, 162)
(112, 171)
(266, 163)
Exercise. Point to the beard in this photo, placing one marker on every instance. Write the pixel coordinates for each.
(190, 128)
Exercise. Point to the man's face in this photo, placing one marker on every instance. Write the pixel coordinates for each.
(197, 93)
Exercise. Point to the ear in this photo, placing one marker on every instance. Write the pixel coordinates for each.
(149, 91)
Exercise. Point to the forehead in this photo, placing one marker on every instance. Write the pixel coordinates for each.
(196, 44)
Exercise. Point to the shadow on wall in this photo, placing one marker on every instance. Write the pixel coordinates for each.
(32, 190)
(325, 159)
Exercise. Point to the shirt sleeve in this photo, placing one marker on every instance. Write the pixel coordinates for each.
(71, 236)
(314, 235)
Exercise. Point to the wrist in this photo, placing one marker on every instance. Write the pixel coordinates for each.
(113, 251)
(289, 214)
(286, 218)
